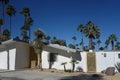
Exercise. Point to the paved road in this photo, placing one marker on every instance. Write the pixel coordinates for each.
(37, 75)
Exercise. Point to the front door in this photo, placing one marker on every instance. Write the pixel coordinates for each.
(91, 62)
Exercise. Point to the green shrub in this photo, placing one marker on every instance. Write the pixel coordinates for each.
(68, 70)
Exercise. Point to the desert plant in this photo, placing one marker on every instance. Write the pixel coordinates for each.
(73, 61)
(68, 70)
(118, 67)
(64, 63)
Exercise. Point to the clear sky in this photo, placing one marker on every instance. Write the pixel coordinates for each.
(60, 18)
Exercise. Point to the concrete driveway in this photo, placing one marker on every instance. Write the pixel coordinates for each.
(30, 75)
(37, 75)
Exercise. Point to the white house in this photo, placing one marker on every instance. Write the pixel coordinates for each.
(18, 55)
(14, 55)
(87, 61)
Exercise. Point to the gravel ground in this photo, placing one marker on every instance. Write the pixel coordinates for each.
(38, 75)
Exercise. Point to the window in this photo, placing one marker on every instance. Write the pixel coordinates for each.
(105, 55)
(119, 55)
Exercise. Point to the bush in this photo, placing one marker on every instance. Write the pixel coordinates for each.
(68, 70)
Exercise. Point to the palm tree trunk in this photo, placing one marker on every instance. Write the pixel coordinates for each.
(38, 60)
(41, 61)
(10, 25)
(29, 33)
(112, 42)
(2, 18)
(82, 42)
(90, 43)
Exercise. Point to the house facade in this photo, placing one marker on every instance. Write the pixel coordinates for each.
(86, 61)
(19, 55)
(14, 55)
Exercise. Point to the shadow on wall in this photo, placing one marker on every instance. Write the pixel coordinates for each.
(52, 57)
(84, 77)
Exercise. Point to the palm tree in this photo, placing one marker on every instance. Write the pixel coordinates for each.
(107, 42)
(6, 35)
(112, 39)
(26, 13)
(38, 46)
(117, 46)
(29, 22)
(1, 23)
(92, 32)
(98, 42)
(71, 46)
(24, 36)
(81, 29)
(10, 11)
(74, 39)
(47, 38)
(3, 4)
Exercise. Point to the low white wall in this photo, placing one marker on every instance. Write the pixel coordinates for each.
(103, 62)
(64, 58)
(83, 62)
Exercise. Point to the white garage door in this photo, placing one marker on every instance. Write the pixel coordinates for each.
(3, 60)
(12, 56)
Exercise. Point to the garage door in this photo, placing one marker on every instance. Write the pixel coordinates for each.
(3, 60)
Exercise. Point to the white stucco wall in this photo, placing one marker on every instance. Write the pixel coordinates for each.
(57, 64)
(83, 62)
(110, 60)
(22, 55)
(64, 58)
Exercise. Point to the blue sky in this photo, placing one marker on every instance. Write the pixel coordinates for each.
(60, 18)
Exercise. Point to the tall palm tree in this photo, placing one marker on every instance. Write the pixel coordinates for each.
(1, 23)
(29, 22)
(38, 46)
(92, 32)
(74, 39)
(6, 35)
(98, 42)
(24, 36)
(71, 46)
(81, 29)
(47, 38)
(26, 13)
(107, 42)
(3, 4)
(112, 39)
(10, 11)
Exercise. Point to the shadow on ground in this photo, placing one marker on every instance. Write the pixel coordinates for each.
(10, 78)
(84, 77)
